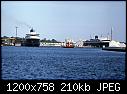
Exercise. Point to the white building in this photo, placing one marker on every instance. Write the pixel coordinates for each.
(116, 44)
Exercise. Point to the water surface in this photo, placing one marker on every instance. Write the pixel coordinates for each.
(61, 63)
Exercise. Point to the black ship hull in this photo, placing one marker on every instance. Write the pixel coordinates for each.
(31, 43)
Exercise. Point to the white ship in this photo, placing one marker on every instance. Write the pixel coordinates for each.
(32, 39)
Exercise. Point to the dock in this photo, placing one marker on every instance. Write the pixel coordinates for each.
(120, 49)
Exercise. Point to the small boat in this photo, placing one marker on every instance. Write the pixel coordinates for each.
(68, 44)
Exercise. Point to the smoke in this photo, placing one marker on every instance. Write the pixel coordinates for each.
(9, 22)
(21, 23)
(10, 18)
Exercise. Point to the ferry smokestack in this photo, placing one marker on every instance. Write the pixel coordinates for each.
(32, 30)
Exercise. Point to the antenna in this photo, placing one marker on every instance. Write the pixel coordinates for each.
(111, 33)
(16, 35)
(16, 31)
(108, 36)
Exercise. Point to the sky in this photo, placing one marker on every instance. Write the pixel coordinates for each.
(77, 20)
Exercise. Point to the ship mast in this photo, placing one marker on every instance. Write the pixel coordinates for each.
(16, 35)
(111, 33)
(16, 31)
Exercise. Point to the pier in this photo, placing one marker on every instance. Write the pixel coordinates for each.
(120, 49)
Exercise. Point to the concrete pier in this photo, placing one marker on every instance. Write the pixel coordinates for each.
(120, 49)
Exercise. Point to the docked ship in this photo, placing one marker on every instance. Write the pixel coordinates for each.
(32, 39)
(68, 43)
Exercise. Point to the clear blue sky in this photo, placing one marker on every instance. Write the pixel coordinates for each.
(64, 19)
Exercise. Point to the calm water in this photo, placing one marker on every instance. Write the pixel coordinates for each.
(61, 63)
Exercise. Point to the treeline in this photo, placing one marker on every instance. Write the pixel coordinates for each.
(41, 40)
(49, 41)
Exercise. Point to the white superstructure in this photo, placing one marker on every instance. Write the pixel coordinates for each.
(32, 39)
(32, 35)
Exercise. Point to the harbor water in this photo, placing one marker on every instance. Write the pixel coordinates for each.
(52, 63)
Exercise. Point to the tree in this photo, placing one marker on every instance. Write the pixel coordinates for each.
(53, 40)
